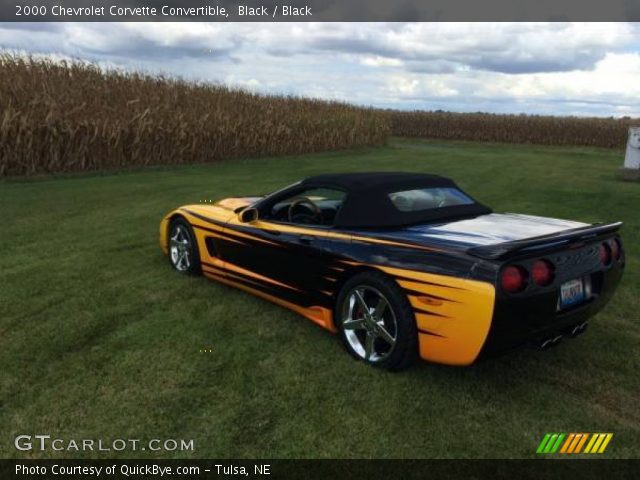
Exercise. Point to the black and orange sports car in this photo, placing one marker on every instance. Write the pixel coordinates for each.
(403, 265)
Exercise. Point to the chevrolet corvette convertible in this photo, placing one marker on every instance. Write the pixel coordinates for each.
(403, 265)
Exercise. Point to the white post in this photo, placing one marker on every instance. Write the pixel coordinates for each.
(631, 169)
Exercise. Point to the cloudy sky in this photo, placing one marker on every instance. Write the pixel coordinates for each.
(556, 68)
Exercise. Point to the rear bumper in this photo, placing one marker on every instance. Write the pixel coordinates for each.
(530, 320)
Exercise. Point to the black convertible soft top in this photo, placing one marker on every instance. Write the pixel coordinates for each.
(367, 203)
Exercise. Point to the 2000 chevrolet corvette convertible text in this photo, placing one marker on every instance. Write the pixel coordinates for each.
(403, 264)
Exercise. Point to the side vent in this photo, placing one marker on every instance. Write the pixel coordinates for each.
(211, 246)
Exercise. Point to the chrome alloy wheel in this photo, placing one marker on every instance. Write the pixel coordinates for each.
(369, 323)
(180, 248)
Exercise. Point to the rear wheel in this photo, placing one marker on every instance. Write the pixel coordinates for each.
(376, 322)
(183, 249)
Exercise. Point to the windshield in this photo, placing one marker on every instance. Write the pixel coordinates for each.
(428, 198)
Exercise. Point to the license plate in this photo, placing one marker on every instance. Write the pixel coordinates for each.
(571, 293)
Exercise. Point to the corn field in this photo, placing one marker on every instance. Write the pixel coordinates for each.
(72, 116)
(534, 129)
(75, 117)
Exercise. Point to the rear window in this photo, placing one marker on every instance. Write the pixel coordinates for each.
(428, 199)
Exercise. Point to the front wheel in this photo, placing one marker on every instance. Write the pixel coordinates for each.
(376, 322)
(183, 249)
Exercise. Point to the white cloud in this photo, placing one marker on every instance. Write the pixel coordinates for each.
(378, 61)
(614, 77)
(412, 86)
(250, 84)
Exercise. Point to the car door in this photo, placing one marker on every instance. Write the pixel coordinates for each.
(279, 257)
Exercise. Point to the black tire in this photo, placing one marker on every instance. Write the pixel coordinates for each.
(404, 351)
(176, 225)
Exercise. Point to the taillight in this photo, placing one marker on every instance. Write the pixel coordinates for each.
(616, 249)
(542, 272)
(605, 254)
(514, 279)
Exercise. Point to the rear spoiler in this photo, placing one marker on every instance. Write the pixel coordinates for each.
(553, 240)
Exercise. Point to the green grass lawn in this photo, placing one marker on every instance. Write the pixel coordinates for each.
(100, 338)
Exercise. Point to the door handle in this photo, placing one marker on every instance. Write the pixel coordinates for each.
(306, 239)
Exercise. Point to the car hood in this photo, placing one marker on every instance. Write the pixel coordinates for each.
(236, 203)
(489, 229)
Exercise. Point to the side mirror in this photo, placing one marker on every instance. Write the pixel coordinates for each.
(248, 215)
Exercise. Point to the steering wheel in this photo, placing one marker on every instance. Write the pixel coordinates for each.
(315, 217)
(440, 198)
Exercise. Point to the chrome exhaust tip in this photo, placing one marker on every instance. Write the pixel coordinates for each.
(550, 342)
(546, 344)
(575, 331)
(578, 329)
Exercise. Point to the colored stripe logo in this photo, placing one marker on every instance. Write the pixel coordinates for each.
(573, 443)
